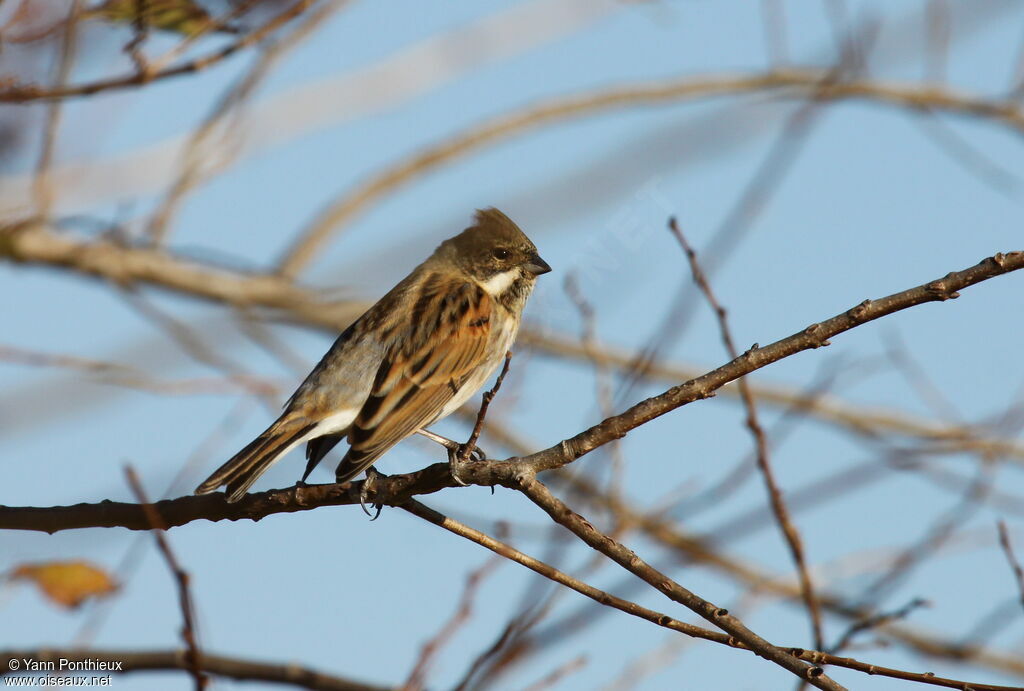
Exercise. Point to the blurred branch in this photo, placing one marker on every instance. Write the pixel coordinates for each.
(219, 665)
(310, 106)
(111, 261)
(36, 244)
(875, 621)
(191, 174)
(819, 85)
(556, 675)
(116, 374)
(1011, 558)
(42, 190)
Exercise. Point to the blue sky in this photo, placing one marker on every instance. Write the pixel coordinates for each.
(871, 205)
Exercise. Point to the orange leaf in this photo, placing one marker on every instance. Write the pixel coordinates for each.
(67, 583)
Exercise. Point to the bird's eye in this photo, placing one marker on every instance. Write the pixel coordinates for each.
(500, 253)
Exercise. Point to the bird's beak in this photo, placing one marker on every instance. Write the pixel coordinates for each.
(536, 265)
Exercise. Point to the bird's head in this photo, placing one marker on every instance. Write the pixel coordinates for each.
(494, 252)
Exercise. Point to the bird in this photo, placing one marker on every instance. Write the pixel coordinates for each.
(410, 360)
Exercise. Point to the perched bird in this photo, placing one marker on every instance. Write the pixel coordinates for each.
(410, 360)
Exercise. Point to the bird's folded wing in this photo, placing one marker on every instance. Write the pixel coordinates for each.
(447, 342)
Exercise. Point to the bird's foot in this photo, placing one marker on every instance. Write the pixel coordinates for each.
(455, 456)
(369, 488)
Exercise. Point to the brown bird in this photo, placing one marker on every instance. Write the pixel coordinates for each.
(413, 358)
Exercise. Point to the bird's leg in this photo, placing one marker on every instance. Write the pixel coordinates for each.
(372, 474)
(452, 445)
(454, 460)
(456, 453)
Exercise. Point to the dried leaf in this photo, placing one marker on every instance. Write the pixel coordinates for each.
(67, 583)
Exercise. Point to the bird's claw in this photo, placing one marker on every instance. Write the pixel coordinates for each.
(368, 488)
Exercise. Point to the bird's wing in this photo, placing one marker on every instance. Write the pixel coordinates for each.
(447, 337)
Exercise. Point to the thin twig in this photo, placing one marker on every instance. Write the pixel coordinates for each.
(1011, 557)
(488, 396)
(192, 170)
(778, 502)
(188, 630)
(42, 190)
(557, 674)
(941, 530)
(602, 377)
(877, 620)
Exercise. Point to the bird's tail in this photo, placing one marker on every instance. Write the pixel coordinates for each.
(245, 467)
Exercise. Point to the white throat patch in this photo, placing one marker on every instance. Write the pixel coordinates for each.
(499, 283)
